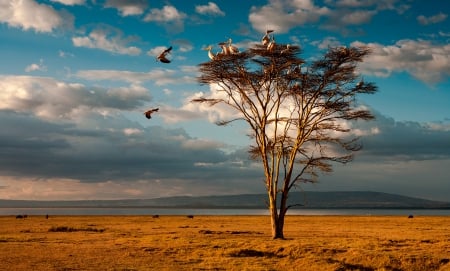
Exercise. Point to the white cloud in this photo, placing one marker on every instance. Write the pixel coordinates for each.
(200, 144)
(326, 43)
(132, 131)
(282, 15)
(338, 16)
(424, 60)
(156, 51)
(70, 2)
(210, 9)
(65, 54)
(129, 7)
(432, 19)
(108, 39)
(36, 67)
(357, 17)
(183, 45)
(55, 188)
(168, 16)
(51, 99)
(28, 14)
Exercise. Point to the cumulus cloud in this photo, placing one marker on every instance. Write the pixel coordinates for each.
(70, 2)
(338, 16)
(404, 140)
(110, 148)
(169, 16)
(51, 99)
(282, 15)
(210, 9)
(183, 45)
(36, 66)
(346, 15)
(129, 7)
(64, 54)
(425, 60)
(396, 5)
(432, 19)
(108, 39)
(326, 43)
(75, 146)
(29, 14)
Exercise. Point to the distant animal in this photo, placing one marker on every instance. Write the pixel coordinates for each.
(46, 216)
(163, 56)
(410, 216)
(155, 216)
(19, 216)
(148, 113)
(190, 216)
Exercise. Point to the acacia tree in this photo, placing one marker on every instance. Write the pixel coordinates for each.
(298, 114)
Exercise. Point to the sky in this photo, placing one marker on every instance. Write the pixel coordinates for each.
(77, 75)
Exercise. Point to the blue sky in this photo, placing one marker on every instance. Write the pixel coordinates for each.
(77, 75)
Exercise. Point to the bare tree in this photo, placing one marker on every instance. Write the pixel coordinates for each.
(298, 114)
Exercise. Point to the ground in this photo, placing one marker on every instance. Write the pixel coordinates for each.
(224, 243)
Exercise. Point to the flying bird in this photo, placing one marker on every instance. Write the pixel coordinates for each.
(266, 39)
(162, 57)
(149, 113)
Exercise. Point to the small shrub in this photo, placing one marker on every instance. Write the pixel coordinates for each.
(70, 229)
(251, 253)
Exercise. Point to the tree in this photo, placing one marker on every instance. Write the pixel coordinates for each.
(298, 114)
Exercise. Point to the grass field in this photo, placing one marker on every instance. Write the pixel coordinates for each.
(224, 243)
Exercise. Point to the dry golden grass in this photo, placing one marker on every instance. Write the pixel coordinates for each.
(224, 243)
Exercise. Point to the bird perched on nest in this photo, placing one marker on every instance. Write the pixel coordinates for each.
(266, 39)
(231, 48)
(148, 114)
(210, 53)
(163, 56)
(271, 45)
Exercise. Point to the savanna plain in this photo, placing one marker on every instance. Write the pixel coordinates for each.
(224, 243)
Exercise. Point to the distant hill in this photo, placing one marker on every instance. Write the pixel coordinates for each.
(353, 199)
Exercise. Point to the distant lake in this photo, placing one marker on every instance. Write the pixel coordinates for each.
(175, 211)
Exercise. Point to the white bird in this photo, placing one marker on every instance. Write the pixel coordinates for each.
(344, 51)
(162, 57)
(271, 45)
(284, 51)
(210, 53)
(231, 48)
(225, 49)
(266, 38)
(360, 83)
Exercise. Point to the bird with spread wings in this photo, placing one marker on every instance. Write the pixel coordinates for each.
(163, 56)
(148, 113)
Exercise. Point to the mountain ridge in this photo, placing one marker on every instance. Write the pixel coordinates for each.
(306, 199)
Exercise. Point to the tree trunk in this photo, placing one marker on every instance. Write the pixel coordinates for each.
(277, 220)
